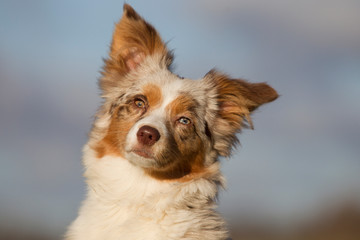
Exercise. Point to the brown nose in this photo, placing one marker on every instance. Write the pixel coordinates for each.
(148, 135)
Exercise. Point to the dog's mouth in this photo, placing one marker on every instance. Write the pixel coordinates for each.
(146, 157)
(143, 153)
(141, 156)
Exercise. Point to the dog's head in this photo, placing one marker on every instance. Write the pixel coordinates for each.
(170, 126)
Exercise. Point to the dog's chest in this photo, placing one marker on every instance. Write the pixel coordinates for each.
(129, 206)
(127, 220)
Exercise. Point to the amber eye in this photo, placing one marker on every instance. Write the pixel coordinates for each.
(184, 120)
(139, 103)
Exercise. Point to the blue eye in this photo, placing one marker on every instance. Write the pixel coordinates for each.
(184, 120)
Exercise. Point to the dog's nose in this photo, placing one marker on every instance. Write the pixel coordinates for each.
(148, 135)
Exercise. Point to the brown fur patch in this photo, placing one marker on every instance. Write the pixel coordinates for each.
(130, 12)
(133, 39)
(153, 94)
(241, 92)
(109, 145)
(123, 118)
(188, 165)
(182, 105)
(236, 99)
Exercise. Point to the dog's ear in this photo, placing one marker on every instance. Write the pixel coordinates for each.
(235, 99)
(133, 40)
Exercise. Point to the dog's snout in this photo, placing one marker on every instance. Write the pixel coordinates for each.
(148, 135)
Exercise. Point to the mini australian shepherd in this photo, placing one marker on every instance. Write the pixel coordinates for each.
(151, 162)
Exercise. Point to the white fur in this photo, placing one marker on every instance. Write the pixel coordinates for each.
(134, 206)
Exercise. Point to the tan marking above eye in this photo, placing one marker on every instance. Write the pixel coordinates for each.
(153, 94)
(182, 106)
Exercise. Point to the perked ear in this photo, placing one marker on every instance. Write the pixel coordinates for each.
(133, 40)
(236, 99)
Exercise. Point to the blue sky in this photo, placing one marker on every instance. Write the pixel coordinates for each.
(303, 154)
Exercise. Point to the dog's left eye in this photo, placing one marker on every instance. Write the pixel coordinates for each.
(139, 103)
(184, 120)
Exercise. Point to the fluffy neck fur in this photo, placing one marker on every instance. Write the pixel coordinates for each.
(132, 205)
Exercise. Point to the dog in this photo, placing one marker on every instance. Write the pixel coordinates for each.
(151, 162)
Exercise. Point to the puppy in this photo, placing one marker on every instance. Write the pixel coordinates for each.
(151, 162)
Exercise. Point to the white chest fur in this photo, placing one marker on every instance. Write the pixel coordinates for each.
(124, 203)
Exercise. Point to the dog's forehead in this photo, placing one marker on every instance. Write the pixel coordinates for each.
(164, 87)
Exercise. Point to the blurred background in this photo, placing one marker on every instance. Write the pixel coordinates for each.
(297, 176)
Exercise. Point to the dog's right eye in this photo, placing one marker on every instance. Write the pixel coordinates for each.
(139, 103)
